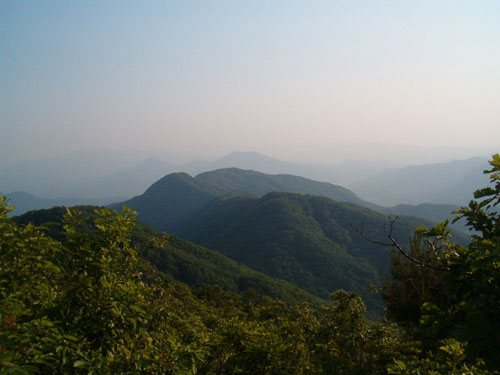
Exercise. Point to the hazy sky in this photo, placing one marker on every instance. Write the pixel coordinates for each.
(269, 76)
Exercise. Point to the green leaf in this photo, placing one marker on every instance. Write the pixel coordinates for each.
(80, 363)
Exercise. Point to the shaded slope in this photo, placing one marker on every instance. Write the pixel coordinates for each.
(183, 260)
(171, 200)
(306, 240)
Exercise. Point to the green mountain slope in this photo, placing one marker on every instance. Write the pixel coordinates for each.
(234, 179)
(171, 200)
(177, 197)
(181, 259)
(307, 240)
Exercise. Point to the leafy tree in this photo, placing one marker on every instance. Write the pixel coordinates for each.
(446, 291)
(417, 276)
(89, 306)
(472, 281)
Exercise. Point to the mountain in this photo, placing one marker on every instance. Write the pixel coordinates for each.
(24, 202)
(248, 160)
(98, 174)
(342, 173)
(257, 183)
(163, 206)
(178, 196)
(432, 212)
(443, 183)
(304, 239)
(463, 190)
(171, 200)
(183, 260)
(307, 240)
(66, 175)
(126, 182)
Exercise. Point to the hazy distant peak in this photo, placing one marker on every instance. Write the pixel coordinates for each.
(246, 156)
(229, 171)
(448, 182)
(154, 162)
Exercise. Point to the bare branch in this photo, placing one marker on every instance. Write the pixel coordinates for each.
(394, 244)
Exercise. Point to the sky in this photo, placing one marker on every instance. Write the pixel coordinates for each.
(292, 79)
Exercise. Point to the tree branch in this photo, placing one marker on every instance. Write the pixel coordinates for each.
(394, 244)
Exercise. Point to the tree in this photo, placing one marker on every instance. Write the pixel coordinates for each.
(89, 305)
(472, 281)
(443, 290)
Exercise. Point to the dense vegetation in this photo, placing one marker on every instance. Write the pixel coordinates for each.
(89, 303)
(180, 259)
(178, 196)
(307, 240)
(259, 184)
(170, 201)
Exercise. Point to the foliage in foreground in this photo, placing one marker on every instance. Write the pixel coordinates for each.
(444, 291)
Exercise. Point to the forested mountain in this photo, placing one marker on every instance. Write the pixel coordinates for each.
(174, 198)
(443, 183)
(164, 202)
(182, 260)
(307, 240)
(234, 179)
(171, 200)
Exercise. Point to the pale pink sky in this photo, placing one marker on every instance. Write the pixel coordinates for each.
(198, 76)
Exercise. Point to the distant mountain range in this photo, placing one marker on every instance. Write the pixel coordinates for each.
(444, 183)
(66, 176)
(102, 177)
(104, 173)
(232, 181)
(24, 202)
(343, 173)
(86, 176)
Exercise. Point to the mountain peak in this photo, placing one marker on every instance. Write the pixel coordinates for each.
(246, 156)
